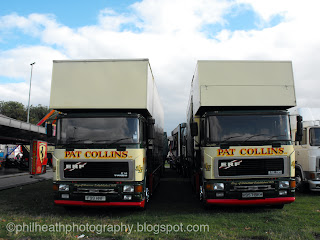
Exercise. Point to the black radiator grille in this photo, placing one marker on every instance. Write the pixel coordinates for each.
(252, 166)
(96, 169)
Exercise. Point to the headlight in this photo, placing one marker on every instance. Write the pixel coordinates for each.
(220, 194)
(65, 195)
(284, 184)
(127, 197)
(63, 188)
(218, 186)
(314, 176)
(128, 188)
(283, 192)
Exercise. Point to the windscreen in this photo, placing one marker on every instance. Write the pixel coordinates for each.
(315, 136)
(243, 128)
(98, 130)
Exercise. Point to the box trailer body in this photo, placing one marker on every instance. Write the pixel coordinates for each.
(239, 144)
(109, 133)
(307, 149)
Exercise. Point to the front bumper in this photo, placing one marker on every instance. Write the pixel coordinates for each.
(99, 204)
(111, 194)
(314, 185)
(249, 192)
(242, 202)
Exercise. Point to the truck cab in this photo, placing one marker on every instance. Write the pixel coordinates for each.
(246, 155)
(308, 157)
(100, 157)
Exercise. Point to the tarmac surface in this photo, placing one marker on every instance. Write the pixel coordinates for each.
(9, 171)
(174, 195)
(12, 177)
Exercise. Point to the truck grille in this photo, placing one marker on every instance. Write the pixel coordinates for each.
(251, 167)
(244, 188)
(96, 190)
(93, 170)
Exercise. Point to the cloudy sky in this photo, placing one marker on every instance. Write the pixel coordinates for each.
(173, 34)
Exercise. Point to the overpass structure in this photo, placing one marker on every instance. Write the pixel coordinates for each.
(13, 131)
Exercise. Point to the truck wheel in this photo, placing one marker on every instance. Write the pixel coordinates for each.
(300, 187)
(202, 197)
(201, 194)
(147, 198)
(147, 195)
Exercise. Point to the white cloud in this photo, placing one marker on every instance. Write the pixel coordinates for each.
(112, 21)
(15, 63)
(174, 16)
(169, 33)
(33, 24)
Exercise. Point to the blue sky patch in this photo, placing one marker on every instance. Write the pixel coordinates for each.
(275, 20)
(130, 27)
(6, 80)
(14, 38)
(240, 18)
(72, 13)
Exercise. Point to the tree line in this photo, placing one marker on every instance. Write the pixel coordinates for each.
(18, 111)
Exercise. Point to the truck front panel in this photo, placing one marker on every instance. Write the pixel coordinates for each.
(100, 177)
(248, 175)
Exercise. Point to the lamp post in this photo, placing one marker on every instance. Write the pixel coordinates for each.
(30, 92)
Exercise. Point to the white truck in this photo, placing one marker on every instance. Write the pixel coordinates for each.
(109, 133)
(307, 149)
(239, 144)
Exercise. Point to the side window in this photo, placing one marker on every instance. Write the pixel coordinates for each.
(143, 131)
(175, 141)
(202, 133)
(304, 137)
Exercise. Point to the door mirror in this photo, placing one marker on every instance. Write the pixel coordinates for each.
(151, 131)
(49, 130)
(299, 132)
(194, 129)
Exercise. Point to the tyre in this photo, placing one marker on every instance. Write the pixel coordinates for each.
(147, 199)
(300, 185)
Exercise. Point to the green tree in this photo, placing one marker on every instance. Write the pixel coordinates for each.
(37, 113)
(17, 111)
(14, 110)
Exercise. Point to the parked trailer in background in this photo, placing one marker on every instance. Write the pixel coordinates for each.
(178, 149)
(307, 148)
(109, 133)
(239, 142)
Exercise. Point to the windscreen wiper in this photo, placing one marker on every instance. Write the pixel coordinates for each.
(274, 144)
(113, 142)
(252, 136)
(224, 144)
(69, 143)
(76, 141)
(274, 137)
(102, 140)
(224, 140)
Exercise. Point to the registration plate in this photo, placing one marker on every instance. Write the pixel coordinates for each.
(252, 194)
(95, 198)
